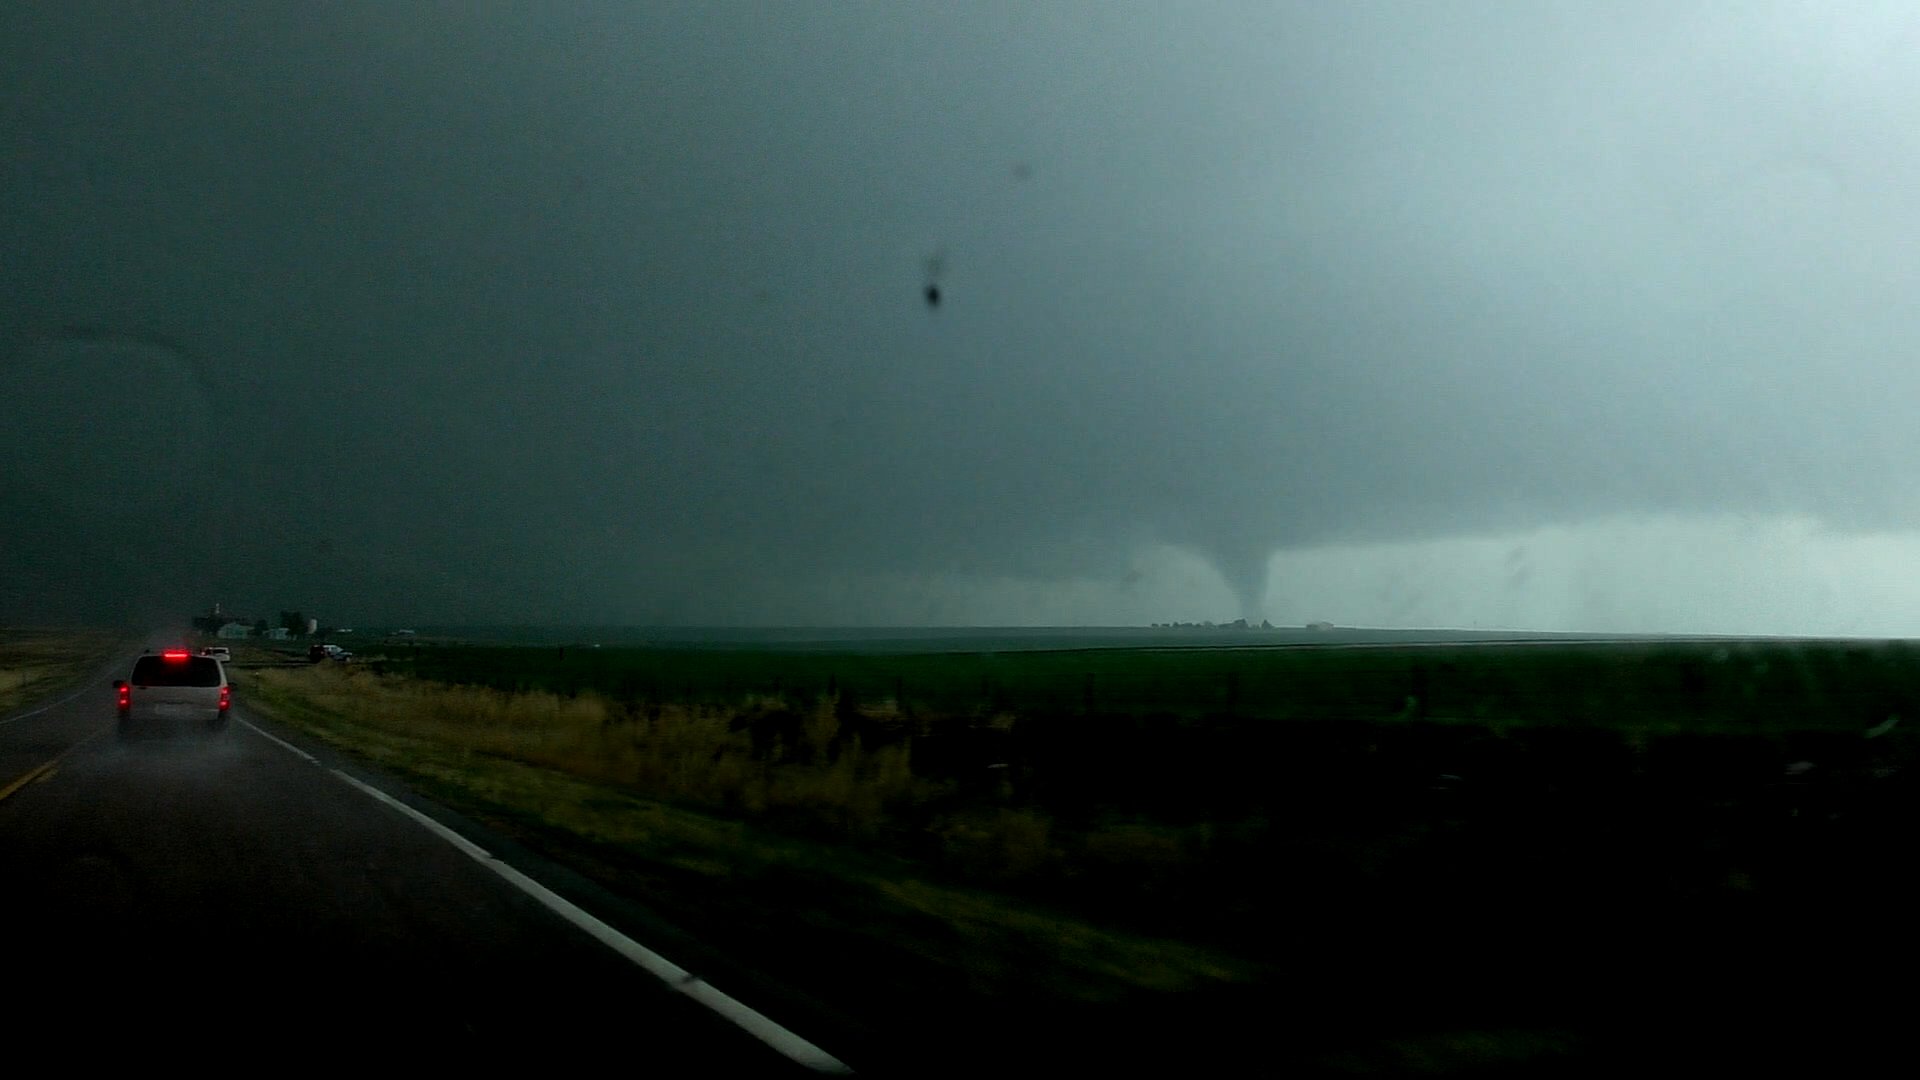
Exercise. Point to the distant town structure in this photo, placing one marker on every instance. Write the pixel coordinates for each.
(313, 627)
(235, 630)
(1319, 626)
(278, 633)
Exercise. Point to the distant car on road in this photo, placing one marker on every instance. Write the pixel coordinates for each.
(218, 652)
(173, 686)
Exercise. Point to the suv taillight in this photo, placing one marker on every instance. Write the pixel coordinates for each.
(125, 692)
(226, 697)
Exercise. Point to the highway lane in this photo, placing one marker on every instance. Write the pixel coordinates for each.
(32, 735)
(155, 887)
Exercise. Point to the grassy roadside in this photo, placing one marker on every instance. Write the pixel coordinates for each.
(37, 662)
(1449, 883)
(786, 863)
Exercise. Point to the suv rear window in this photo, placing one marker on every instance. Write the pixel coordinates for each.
(192, 671)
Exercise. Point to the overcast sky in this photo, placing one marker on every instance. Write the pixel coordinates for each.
(1566, 316)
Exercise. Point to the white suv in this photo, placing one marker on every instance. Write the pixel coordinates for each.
(173, 685)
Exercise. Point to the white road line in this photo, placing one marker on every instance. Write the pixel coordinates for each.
(89, 688)
(675, 976)
(93, 684)
(289, 747)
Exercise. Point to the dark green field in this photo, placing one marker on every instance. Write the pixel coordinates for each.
(1746, 686)
(1576, 856)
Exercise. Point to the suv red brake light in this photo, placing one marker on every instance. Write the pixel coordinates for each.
(174, 654)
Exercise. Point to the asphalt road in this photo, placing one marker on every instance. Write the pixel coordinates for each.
(158, 892)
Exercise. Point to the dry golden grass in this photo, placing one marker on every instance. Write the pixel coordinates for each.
(689, 754)
(1000, 844)
(34, 663)
(703, 757)
(681, 785)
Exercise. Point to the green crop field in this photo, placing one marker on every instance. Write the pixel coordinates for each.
(1746, 686)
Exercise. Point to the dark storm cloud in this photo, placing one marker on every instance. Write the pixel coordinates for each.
(617, 311)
